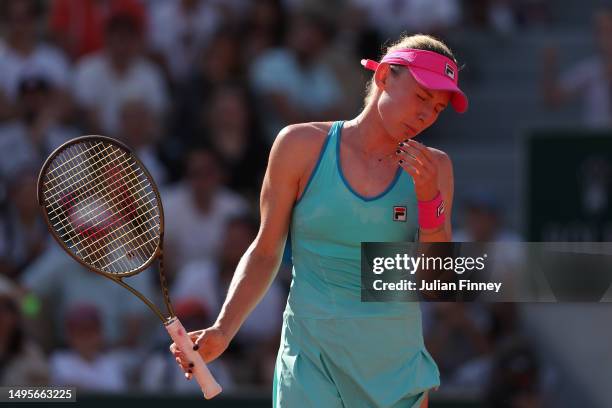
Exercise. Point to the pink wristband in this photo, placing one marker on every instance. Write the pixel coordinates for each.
(431, 213)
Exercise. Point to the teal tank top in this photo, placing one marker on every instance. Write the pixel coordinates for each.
(328, 224)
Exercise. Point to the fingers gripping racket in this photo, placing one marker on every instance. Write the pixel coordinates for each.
(103, 208)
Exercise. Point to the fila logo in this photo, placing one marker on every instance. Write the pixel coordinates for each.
(440, 209)
(399, 214)
(449, 71)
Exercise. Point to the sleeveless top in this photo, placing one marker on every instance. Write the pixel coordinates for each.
(328, 224)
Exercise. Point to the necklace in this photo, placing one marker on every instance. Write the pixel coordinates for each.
(381, 158)
(378, 158)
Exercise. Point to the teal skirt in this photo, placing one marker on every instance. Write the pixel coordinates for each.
(353, 362)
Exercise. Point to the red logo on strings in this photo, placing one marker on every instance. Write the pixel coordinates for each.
(122, 207)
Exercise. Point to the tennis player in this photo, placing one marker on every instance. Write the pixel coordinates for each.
(332, 186)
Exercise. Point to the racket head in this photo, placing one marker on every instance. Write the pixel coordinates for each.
(102, 205)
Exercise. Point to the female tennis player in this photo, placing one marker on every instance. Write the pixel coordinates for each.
(332, 186)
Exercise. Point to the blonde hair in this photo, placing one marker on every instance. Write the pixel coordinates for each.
(416, 41)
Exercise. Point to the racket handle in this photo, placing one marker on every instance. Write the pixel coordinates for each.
(209, 386)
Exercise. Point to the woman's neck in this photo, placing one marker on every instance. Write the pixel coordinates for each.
(367, 134)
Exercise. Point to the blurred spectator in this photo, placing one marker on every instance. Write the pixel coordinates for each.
(255, 346)
(456, 333)
(24, 56)
(22, 363)
(78, 25)
(506, 16)
(105, 80)
(392, 17)
(590, 80)
(501, 16)
(533, 12)
(293, 83)
(35, 132)
(220, 62)
(515, 378)
(62, 283)
(86, 363)
(179, 30)
(197, 210)
(475, 374)
(23, 233)
(159, 370)
(198, 281)
(139, 129)
(483, 220)
(230, 125)
(253, 351)
(264, 27)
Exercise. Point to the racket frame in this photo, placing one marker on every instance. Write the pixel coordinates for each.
(157, 254)
(177, 332)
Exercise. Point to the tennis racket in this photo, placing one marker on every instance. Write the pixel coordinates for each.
(103, 208)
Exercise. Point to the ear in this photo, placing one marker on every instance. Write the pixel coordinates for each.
(381, 75)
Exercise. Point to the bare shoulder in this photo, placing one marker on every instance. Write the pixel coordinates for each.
(298, 146)
(442, 159)
(301, 136)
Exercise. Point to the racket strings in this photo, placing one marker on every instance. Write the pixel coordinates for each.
(107, 195)
(84, 152)
(54, 184)
(130, 234)
(127, 234)
(80, 193)
(89, 255)
(117, 227)
(76, 180)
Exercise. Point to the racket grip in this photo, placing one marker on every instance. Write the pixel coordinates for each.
(209, 386)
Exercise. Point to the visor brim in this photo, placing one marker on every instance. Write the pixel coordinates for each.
(434, 81)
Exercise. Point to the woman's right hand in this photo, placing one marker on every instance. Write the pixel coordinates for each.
(210, 343)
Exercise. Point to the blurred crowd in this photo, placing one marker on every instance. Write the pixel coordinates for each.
(199, 89)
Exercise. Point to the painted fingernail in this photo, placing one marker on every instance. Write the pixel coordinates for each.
(398, 151)
(401, 162)
(196, 347)
(191, 365)
(402, 144)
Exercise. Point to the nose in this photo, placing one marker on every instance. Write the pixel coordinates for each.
(426, 114)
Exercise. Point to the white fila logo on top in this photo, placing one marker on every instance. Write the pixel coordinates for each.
(449, 71)
(440, 210)
(399, 213)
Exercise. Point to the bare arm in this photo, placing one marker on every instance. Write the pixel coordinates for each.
(260, 263)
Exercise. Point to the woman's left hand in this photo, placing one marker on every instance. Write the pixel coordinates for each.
(418, 161)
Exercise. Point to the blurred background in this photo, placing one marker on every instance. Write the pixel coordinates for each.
(199, 89)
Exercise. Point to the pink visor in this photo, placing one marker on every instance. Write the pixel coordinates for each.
(430, 69)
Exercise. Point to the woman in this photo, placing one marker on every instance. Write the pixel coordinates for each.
(332, 186)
